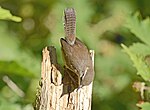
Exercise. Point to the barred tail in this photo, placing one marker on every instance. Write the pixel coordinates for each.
(70, 25)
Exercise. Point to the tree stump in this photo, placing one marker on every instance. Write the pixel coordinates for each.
(54, 92)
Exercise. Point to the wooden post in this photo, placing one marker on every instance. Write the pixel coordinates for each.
(53, 94)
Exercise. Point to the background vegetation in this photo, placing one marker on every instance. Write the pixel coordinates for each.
(113, 28)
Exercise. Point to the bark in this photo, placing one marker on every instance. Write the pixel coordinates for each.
(55, 90)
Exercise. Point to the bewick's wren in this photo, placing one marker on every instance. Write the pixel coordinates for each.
(76, 55)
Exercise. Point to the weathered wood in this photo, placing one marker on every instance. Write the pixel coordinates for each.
(54, 93)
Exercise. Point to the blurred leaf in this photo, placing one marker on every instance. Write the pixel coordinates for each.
(28, 107)
(144, 106)
(140, 28)
(138, 51)
(6, 15)
(138, 59)
(140, 48)
(12, 67)
(112, 70)
(7, 105)
(14, 59)
(32, 90)
(9, 95)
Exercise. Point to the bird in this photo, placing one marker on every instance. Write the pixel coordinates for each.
(76, 55)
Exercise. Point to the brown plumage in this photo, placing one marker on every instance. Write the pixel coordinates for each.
(76, 55)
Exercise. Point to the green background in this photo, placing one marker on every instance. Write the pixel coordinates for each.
(100, 25)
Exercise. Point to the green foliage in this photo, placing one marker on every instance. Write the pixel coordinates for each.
(10, 98)
(12, 56)
(144, 106)
(14, 61)
(21, 45)
(138, 59)
(139, 52)
(120, 79)
(140, 28)
(6, 15)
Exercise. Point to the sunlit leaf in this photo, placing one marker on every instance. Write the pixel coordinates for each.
(140, 48)
(140, 28)
(6, 15)
(144, 106)
(138, 60)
